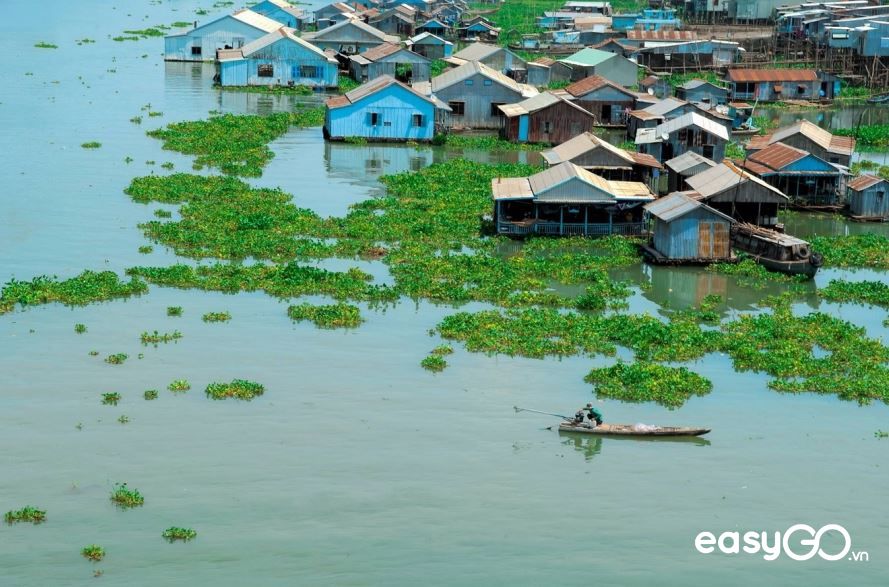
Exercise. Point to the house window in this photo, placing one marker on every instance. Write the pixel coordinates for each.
(880, 194)
(707, 151)
(457, 108)
(546, 127)
(373, 118)
(196, 50)
(800, 89)
(468, 82)
(265, 70)
(488, 82)
(309, 71)
(683, 135)
(387, 123)
(495, 111)
(418, 120)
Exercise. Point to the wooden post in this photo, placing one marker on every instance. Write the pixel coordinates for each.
(586, 215)
(561, 219)
(610, 223)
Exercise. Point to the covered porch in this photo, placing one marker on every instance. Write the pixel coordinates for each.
(525, 216)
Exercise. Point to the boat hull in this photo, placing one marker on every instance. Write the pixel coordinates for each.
(789, 267)
(630, 430)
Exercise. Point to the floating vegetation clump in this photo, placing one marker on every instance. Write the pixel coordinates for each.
(80, 328)
(860, 250)
(236, 144)
(648, 382)
(174, 533)
(93, 552)
(155, 31)
(116, 358)
(123, 419)
(156, 337)
(87, 287)
(752, 273)
(864, 292)
(125, 497)
(179, 385)
(434, 363)
(485, 143)
(236, 388)
(45, 45)
(868, 137)
(339, 315)
(146, 249)
(216, 317)
(136, 120)
(110, 399)
(150, 394)
(163, 213)
(297, 90)
(174, 310)
(26, 514)
(91, 145)
(442, 350)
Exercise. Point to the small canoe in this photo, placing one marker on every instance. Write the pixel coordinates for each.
(632, 430)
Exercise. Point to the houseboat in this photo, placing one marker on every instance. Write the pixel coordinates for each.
(776, 251)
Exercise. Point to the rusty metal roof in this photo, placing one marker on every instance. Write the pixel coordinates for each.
(862, 182)
(772, 75)
(777, 156)
(677, 205)
(595, 82)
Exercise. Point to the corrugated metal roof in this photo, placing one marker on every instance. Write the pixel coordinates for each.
(688, 160)
(722, 177)
(539, 183)
(266, 40)
(539, 102)
(772, 75)
(777, 156)
(477, 51)
(862, 182)
(588, 57)
(697, 83)
(664, 107)
(689, 119)
(383, 50)
(424, 37)
(545, 61)
(821, 137)
(577, 146)
(470, 68)
(329, 34)
(256, 20)
(677, 205)
(511, 188)
(594, 82)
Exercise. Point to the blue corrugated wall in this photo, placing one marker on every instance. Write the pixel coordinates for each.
(394, 106)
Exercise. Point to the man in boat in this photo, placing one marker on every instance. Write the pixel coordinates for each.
(578, 417)
(593, 415)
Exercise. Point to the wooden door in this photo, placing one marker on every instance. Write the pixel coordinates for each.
(721, 240)
(705, 243)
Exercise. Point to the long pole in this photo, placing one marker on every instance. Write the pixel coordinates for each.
(518, 409)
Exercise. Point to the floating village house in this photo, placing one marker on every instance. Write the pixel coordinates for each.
(396, 21)
(495, 57)
(545, 70)
(689, 132)
(806, 179)
(568, 200)
(868, 197)
(390, 59)
(430, 46)
(608, 101)
(683, 56)
(588, 62)
(349, 37)
(435, 27)
(812, 138)
(738, 194)
(279, 58)
(773, 85)
(231, 31)
(474, 93)
(332, 14)
(687, 230)
(698, 90)
(650, 19)
(283, 12)
(545, 118)
(479, 28)
(383, 109)
(668, 109)
(604, 159)
(684, 166)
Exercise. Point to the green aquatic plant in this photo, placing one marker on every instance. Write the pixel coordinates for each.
(174, 310)
(859, 250)
(122, 38)
(865, 292)
(154, 114)
(179, 385)
(645, 382)
(216, 317)
(125, 497)
(116, 358)
(80, 328)
(175, 533)
(485, 142)
(181, 24)
(87, 287)
(236, 388)
(881, 434)
(26, 514)
(93, 552)
(339, 315)
(146, 249)
(167, 165)
(94, 353)
(91, 145)
(735, 150)
(868, 137)
(163, 213)
(434, 363)
(751, 273)
(45, 45)
(297, 90)
(110, 399)
(442, 350)
(123, 419)
(156, 337)
(155, 31)
(150, 394)
(346, 84)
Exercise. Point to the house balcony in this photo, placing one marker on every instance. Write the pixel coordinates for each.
(541, 227)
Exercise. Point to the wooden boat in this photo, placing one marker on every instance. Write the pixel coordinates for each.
(631, 430)
(744, 131)
(776, 251)
(879, 99)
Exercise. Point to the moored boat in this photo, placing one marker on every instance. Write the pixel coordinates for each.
(631, 430)
(878, 99)
(775, 250)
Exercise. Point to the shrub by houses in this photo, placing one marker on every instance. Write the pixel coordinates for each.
(383, 109)
(278, 59)
(545, 118)
(231, 31)
(349, 37)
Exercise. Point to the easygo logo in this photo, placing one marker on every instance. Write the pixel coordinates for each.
(790, 543)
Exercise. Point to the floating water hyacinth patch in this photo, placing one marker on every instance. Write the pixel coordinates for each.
(434, 363)
(91, 145)
(443, 350)
(80, 328)
(174, 310)
(174, 533)
(858, 250)
(236, 388)
(864, 292)
(179, 385)
(646, 382)
(146, 249)
(45, 45)
(150, 394)
(123, 419)
(87, 287)
(156, 337)
(125, 497)
(163, 213)
(110, 399)
(116, 358)
(339, 315)
(26, 514)
(216, 317)
(93, 552)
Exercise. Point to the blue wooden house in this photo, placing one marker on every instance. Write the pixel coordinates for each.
(430, 46)
(278, 59)
(383, 109)
(283, 12)
(868, 197)
(434, 26)
(698, 90)
(349, 37)
(332, 14)
(232, 31)
(806, 179)
(689, 132)
(685, 229)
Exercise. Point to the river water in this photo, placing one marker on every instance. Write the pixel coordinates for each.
(357, 467)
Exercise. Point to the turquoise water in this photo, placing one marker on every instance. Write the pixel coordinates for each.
(356, 467)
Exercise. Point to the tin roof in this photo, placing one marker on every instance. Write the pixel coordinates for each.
(725, 176)
(862, 182)
(697, 83)
(424, 37)
(383, 50)
(330, 33)
(772, 75)
(689, 119)
(595, 82)
(688, 160)
(545, 61)
(369, 88)
(477, 51)
(256, 20)
(470, 68)
(777, 156)
(539, 102)
(588, 57)
(822, 137)
(539, 183)
(587, 141)
(266, 40)
(677, 205)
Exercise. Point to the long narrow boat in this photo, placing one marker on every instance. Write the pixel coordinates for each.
(632, 430)
(775, 250)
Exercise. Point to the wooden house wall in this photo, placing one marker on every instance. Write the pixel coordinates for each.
(619, 70)
(702, 94)
(395, 107)
(478, 98)
(286, 58)
(431, 50)
(225, 32)
(872, 202)
(681, 238)
(504, 60)
(393, 25)
(565, 122)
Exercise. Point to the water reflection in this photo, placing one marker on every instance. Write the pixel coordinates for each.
(590, 445)
(805, 225)
(369, 162)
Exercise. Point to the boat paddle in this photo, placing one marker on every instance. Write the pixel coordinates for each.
(518, 409)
